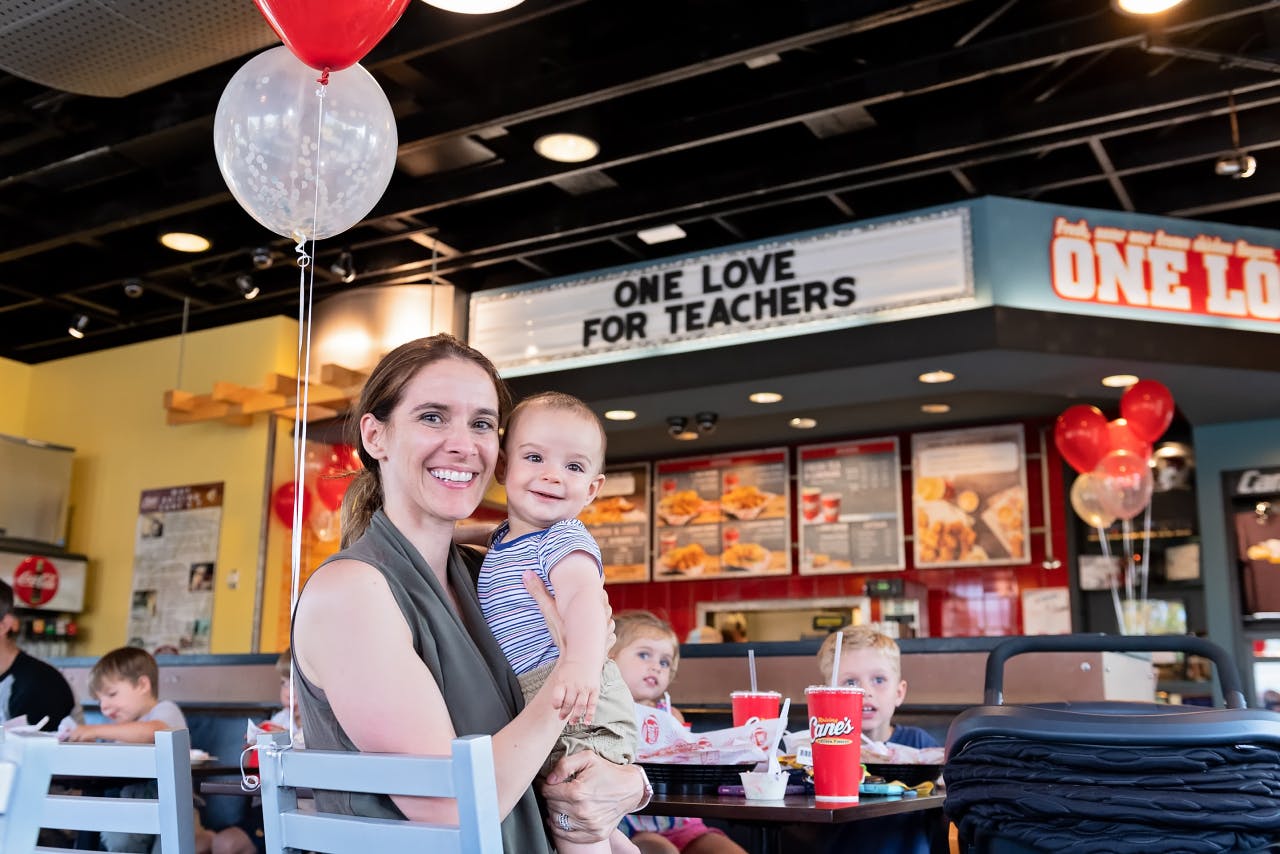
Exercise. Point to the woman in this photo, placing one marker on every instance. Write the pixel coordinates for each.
(392, 652)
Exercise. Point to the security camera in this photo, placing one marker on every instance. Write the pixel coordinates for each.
(676, 424)
(133, 288)
(262, 258)
(706, 421)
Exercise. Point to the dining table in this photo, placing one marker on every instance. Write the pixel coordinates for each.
(765, 820)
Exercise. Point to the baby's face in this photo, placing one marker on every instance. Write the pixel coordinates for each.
(883, 689)
(550, 467)
(645, 664)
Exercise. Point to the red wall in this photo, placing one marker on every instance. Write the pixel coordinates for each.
(972, 600)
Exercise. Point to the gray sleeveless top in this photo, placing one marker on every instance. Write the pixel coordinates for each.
(479, 688)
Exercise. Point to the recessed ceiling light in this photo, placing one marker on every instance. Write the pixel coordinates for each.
(185, 241)
(764, 397)
(620, 415)
(661, 234)
(935, 408)
(1119, 380)
(566, 147)
(474, 7)
(936, 377)
(1144, 7)
(803, 423)
(685, 436)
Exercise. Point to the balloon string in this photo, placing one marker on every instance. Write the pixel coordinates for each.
(1115, 581)
(306, 291)
(1146, 552)
(1126, 531)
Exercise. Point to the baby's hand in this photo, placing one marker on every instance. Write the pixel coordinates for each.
(575, 687)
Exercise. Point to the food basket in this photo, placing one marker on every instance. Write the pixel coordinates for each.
(684, 779)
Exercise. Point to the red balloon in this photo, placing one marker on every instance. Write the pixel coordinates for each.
(1081, 436)
(1121, 438)
(1148, 407)
(330, 35)
(347, 456)
(282, 503)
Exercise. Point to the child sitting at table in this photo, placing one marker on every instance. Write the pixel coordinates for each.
(125, 683)
(871, 660)
(647, 652)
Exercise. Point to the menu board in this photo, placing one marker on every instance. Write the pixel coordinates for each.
(851, 507)
(619, 520)
(969, 496)
(722, 516)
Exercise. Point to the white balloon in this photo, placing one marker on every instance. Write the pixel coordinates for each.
(265, 138)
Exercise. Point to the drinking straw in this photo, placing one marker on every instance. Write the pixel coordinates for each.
(835, 662)
(751, 663)
(666, 698)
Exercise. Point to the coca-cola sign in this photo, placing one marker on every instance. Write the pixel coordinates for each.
(35, 581)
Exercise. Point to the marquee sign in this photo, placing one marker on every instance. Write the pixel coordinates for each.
(787, 286)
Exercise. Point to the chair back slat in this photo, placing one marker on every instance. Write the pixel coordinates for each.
(170, 815)
(26, 759)
(382, 773)
(467, 775)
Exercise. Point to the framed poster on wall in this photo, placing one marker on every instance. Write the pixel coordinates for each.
(725, 516)
(619, 520)
(969, 497)
(850, 507)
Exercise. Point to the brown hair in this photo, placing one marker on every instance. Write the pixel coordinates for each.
(859, 637)
(6, 599)
(558, 400)
(284, 664)
(127, 662)
(632, 625)
(382, 393)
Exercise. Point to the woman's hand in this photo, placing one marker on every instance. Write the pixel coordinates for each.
(547, 605)
(593, 794)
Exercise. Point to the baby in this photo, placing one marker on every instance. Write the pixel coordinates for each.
(647, 653)
(552, 464)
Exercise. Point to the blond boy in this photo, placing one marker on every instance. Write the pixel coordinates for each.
(871, 660)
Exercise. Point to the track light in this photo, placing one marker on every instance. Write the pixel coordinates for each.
(344, 268)
(78, 324)
(248, 289)
(1239, 164)
(262, 258)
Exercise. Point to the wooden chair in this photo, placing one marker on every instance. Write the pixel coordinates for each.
(169, 815)
(467, 775)
(24, 782)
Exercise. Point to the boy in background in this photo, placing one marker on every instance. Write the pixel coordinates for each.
(124, 681)
(647, 652)
(871, 660)
(551, 464)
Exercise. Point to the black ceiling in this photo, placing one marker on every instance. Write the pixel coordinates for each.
(870, 108)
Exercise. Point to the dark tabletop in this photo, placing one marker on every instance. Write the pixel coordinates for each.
(792, 808)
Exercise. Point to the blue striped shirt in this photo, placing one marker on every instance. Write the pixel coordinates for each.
(510, 611)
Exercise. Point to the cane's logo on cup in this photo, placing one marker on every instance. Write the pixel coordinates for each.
(828, 729)
(650, 730)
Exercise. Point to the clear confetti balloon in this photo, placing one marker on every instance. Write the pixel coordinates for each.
(266, 136)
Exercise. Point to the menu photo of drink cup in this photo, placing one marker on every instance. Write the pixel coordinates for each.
(969, 497)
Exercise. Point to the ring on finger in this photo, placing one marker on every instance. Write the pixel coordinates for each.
(563, 822)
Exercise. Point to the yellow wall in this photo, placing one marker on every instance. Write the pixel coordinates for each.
(108, 406)
(15, 387)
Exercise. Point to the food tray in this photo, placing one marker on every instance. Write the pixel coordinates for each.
(912, 775)
(672, 779)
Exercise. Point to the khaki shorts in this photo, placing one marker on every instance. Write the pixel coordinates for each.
(612, 735)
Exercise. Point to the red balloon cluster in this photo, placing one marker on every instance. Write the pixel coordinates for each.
(330, 35)
(328, 474)
(1113, 455)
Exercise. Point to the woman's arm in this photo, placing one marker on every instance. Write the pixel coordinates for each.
(352, 641)
(594, 793)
